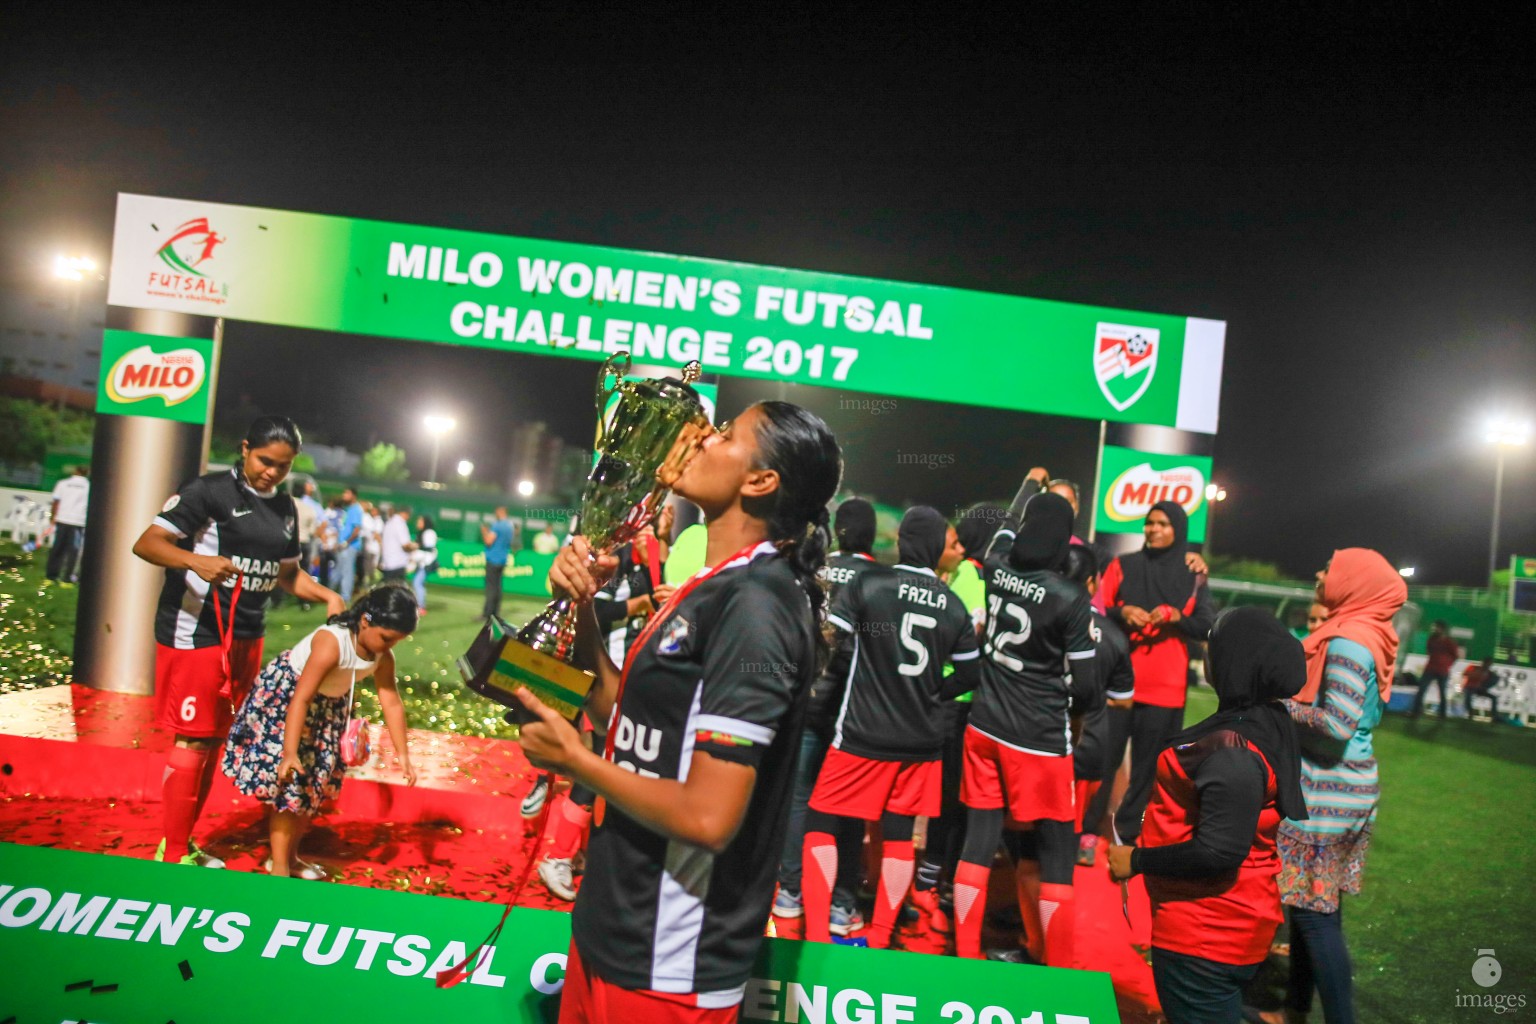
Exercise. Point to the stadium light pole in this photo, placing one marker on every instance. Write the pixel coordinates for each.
(1214, 493)
(1504, 433)
(437, 426)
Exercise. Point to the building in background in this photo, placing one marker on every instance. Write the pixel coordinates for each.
(50, 334)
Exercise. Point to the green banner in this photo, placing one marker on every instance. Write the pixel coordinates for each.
(585, 301)
(462, 564)
(1131, 482)
(155, 376)
(100, 938)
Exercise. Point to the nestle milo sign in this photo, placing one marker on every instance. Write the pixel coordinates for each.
(1131, 482)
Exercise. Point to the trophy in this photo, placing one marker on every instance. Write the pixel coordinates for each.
(643, 444)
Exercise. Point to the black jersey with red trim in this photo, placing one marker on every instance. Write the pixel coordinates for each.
(1037, 622)
(611, 604)
(905, 624)
(726, 674)
(827, 689)
(221, 514)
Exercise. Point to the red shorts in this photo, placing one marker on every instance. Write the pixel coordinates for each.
(859, 787)
(588, 998)
(1033, 787)
(187, 684)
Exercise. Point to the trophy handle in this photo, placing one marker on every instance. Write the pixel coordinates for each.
(616, 365)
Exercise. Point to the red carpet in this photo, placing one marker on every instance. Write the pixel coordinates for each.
(81, 770)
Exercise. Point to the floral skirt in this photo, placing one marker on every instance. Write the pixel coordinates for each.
(1314, 875)
(255, 745)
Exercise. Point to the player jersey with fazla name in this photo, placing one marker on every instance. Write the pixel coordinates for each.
(220, 514)
(902, 624)
(1037, 622)
(726, 674)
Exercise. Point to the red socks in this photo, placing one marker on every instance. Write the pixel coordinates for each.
(896, 867)
(1058, 917)
(182, 795)
(563, 833)
(970, 907)
(818, 873)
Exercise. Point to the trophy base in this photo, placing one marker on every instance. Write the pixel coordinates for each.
(497, 664)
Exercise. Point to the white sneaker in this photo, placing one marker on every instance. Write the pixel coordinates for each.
(203, 857)
(533, 803)
(304, 869)
(555, 873)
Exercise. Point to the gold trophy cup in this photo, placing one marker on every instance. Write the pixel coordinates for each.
(643, 445)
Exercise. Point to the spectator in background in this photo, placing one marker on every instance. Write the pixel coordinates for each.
(373, 542)
(349, 544)
(423, 559)
(1316, 616)
(497, 538)
(395, 546)
(1443, 652)
(545, 542)
(330, 534)
(310, 512)
(1479, 681)
(70, 497)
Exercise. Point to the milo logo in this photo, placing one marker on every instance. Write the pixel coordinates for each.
(1132, 494)
(142, 373)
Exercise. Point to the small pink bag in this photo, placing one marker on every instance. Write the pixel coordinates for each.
(356, 747)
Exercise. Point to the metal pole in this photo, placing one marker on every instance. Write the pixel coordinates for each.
(1498, 499)
(1209, 547)
(1098, 473)
(437, 444)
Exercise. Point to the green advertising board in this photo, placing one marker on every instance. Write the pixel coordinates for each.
(1131, 482)
(462, 564)
(586, 301)
(101, 938)
(150, 375)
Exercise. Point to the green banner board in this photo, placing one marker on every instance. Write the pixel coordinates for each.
(1131, 482)
(100, 938)
(149, 375)
(1522, 583)
(461, 564)
(585, 301)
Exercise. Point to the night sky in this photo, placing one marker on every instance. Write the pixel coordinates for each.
(1357, 201)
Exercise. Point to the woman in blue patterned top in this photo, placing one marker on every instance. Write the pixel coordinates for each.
(1350, 660)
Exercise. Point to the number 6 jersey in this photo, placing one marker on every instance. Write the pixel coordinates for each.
(1037, 622)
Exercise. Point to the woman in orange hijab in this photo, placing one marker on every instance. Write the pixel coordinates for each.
(1350, 661)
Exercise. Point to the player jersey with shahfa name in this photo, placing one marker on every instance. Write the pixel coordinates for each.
(726, 673)
(905, 623)
(221, 514)
(1037, 621)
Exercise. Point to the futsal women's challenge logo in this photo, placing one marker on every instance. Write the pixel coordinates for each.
(187, 254)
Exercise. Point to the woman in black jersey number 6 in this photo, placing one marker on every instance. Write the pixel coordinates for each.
(704, 727)
(228, 524)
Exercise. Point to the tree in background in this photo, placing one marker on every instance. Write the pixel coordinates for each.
(28, 429)
(384, 462)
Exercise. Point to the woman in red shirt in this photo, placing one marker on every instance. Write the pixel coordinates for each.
(1161, 603)
(1208, 845)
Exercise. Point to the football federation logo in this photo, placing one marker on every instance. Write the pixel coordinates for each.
(1125, 360)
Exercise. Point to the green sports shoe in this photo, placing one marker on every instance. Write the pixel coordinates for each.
(160, 856)
(203, 857)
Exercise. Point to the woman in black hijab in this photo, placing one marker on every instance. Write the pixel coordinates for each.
(1208, 848)
(1161, 605)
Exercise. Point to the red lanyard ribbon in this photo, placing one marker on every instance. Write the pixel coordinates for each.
(226, 636)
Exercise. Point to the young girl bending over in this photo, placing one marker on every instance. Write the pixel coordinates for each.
(285, 746)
